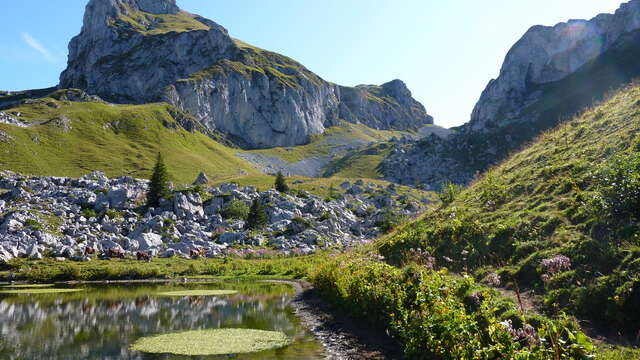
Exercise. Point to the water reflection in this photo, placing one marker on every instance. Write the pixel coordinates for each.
(101, 322)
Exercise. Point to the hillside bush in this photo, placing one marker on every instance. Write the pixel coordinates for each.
(449, 192)
(437, 316)
(236, 209)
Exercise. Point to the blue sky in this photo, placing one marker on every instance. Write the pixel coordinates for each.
(446, 51)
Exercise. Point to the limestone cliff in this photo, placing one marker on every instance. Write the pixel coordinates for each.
(548, 76)
(138, 51)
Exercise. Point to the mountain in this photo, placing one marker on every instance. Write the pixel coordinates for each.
(549, 75)
(141, 51)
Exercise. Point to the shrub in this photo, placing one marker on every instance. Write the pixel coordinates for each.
(34, 224)
(89, 213)
(619, 188)
(390, 220)
(449, 193)
(281, 184)
(434, 315)
(325, 216)
(236, 209)
(112, 214)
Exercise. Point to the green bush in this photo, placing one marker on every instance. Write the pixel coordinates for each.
(619, 188)
(34, 224)
(390, 220)
(437, 316)
(236, 209)
(449, 192)
(89, 213)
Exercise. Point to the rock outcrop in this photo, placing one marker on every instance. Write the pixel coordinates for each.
(545, 55)
(389, 106)
(138, 51)
(548, 76)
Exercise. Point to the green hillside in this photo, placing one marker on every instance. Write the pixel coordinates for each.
(344, 135)
(558, 222)
(67, 138)
(365, 162)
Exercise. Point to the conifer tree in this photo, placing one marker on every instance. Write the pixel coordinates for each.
(159, 186)
(281, 184)
(257, 218)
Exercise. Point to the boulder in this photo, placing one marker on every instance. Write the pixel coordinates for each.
(149, 240)
(202, 179)
(188, 205)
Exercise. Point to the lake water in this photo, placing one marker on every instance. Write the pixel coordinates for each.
(102, 321)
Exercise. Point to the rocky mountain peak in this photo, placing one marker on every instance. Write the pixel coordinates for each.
(546, 54)
(139, 51)
(397, 88)
(153, 6)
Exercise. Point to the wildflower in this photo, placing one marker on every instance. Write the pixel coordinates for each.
(493, 279)
(555, 265)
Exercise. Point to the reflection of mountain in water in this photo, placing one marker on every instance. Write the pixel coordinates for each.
(72, 327)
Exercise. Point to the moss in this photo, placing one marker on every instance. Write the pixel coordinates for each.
(212, 342)
(199, 293)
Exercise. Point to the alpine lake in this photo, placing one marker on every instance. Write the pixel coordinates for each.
(113, 320)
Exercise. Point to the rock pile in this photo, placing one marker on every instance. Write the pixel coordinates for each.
(70, 218)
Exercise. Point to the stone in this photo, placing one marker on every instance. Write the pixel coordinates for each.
(169, 253)
(202, 179)
(188, 205)
(149, 240)
(118, 199)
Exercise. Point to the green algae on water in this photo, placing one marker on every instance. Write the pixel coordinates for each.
(212, 342)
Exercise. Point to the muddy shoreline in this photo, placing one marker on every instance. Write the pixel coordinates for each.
(343, 338)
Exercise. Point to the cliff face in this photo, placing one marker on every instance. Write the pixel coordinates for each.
(138, 51)
(545, 55)
(548, 76)
(389, 106)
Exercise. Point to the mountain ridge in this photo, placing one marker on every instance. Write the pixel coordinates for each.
(261, 99)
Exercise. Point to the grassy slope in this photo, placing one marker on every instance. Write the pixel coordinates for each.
(157, 24)
(540, 203)
(543, 202)
(321, 145)
(365, 163)
(117, 139)
(321, 186)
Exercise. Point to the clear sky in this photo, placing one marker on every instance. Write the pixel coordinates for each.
(446, 51)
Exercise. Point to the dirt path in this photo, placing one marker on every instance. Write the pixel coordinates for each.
(342, 338)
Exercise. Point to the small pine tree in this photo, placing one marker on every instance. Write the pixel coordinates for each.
(159, 186)
(257, 218)
(281, 184)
